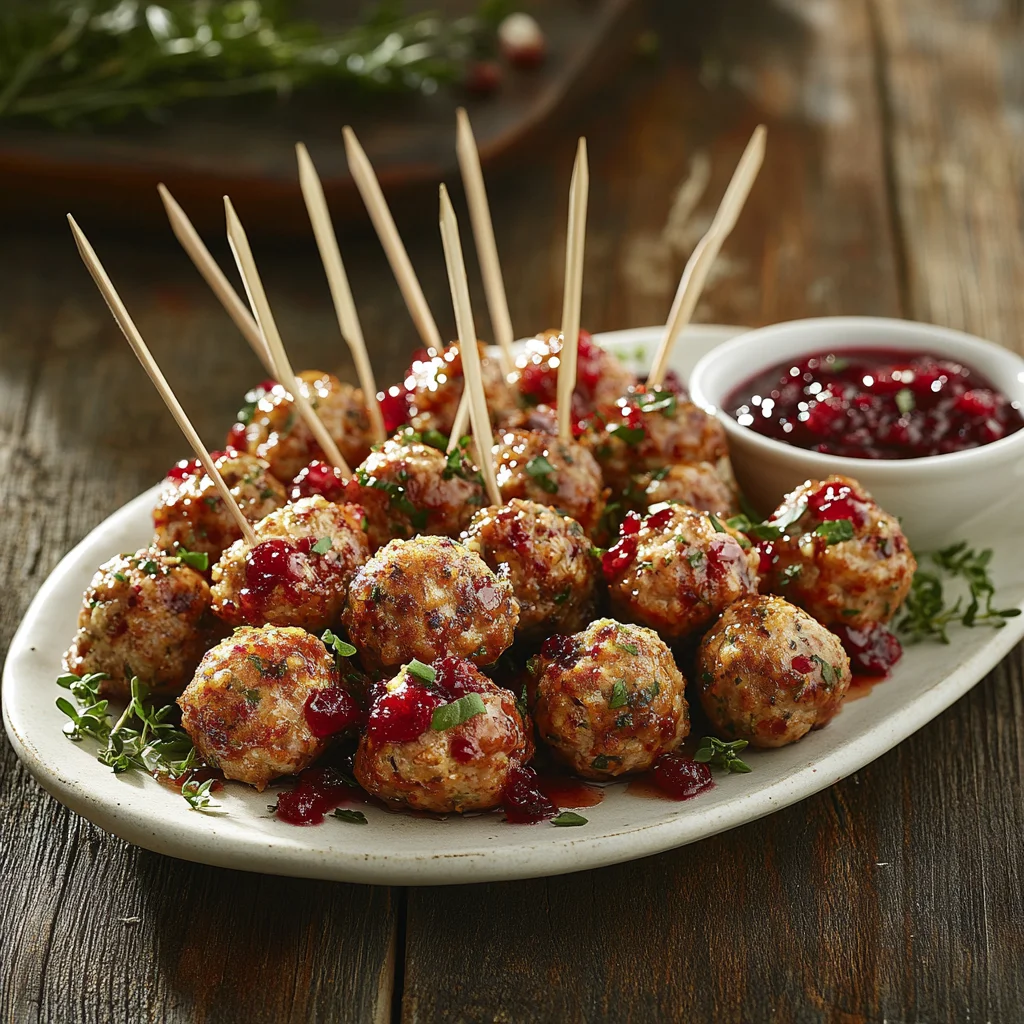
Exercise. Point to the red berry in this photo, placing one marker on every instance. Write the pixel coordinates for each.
(681, 777)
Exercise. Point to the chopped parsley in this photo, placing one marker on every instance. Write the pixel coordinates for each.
(322, 546)
(716, 523)
(339, 646)
(627, 434)
(602, 761)
(620, 695)
(665, 402)
(198, 560)
(424, 673)
(628, 648)
(543, 473)
(830, 673)
(835, 531)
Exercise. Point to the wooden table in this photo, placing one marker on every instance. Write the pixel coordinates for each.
(892, 186)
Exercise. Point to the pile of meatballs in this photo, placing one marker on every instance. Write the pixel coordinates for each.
(564, 622)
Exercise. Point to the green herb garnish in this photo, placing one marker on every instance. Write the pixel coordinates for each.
(352, 817)
(424, 673)
(569, 818)
(905, 401)
(340, 647)
(720, 754)
(322, 546)
(458, 711)
(620, 695)
(543, 473)
(835, 531)
(198, 560)
(627, 434)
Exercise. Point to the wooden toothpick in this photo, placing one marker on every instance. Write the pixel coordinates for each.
(483, 233)
(265, 318)
(461, 420)
(468, 345)
(139, 347)
(575, 242)
(695, 274)
(337, 280)
(377, 207)
(214, 277)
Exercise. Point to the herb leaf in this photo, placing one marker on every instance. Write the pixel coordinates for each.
(340, 647)
(620, 695)
(458, 711)
(322, 546)
(543, 473)
(350, 816)
(568, 819)
(835, 531)
(420, 671)
(198, 560)
(720, 754)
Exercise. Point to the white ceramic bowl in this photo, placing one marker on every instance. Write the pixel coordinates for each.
(935, 497)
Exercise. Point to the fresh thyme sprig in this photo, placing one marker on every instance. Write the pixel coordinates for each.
(88, 62)
(925, 613)
(140, 740)
(720, 754)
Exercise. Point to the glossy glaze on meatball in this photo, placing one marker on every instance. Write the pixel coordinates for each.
(601, 377)
(551, 565)
(608, 700)
(245, 710)
(560, 474)
(409, 488)
(145, 615)
(769, 673)
(298, 572)
(676, 570)
(643, 432)
(271, 427)
(840, 555)
(697, 484)
(435, 383)
(190, 512)
(412, 756)
(425, 599)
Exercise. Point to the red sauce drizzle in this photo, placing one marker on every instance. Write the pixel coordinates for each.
(523, 800)
(332, 710)
(873, 650)
(674, 777)
(318, 478)
(319, 790)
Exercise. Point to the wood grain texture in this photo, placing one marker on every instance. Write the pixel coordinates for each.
(896, 895)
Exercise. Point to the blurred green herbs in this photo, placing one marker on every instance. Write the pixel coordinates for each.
(88, 63)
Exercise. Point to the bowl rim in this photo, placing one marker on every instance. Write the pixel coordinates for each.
(845, 464)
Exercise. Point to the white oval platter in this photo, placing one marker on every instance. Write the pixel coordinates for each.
(396, 849)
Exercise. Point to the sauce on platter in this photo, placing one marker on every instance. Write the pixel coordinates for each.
(875, 404)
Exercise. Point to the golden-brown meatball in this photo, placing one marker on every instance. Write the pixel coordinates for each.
(411, 755)
(145, 615)
(245, 710)
(190, 512)
(560, 474)
(297, 574)
(677, 569)
(646, 431)
(272, 428)
(551, 565)
(409, 488)
(435, 383)
(697, 484)
(609, 700)
(601, 377)
(428, 598)
(769, 673)
(839, 555)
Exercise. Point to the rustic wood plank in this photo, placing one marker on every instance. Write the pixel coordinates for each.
(91, 928)
(956, 99)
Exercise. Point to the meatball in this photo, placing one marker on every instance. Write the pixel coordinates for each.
(559, 474)
(298, 572)
(643, 432)
(435, 383)
(697, 484)
(245, 710)
(609, 700)
(145, 615)
(425, 599)
(190, 512)
(839, 555)
(769, 673)
(271, 427)
(677, 569)
(410, 758)
(408, 488)
(601, 376)
(550, 562)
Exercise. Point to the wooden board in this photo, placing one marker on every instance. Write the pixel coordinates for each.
(248, 148)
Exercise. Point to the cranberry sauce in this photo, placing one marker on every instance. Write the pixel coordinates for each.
(319, 790)
(319, 478)
(875, 404)
(872, 649)
(332, 710)
(523, 800)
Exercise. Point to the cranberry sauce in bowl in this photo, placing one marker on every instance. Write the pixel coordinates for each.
(875, 403)
(935, 458)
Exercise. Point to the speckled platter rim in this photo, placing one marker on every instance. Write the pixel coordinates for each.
(395, 849)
